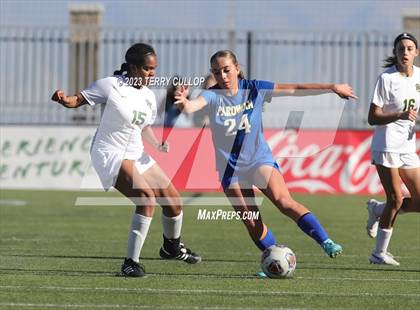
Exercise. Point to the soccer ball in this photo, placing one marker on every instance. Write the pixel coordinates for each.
(278, 261)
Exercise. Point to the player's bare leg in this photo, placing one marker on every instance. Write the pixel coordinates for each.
(392, 185)
(131, 184)
(270, 181)
(170, 200)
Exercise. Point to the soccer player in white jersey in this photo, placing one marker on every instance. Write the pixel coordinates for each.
(393, 111)
(118, 156)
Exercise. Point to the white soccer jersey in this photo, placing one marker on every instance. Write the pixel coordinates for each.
(125, 112)
(396, 93)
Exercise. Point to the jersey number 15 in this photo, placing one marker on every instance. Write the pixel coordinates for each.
(138, 118)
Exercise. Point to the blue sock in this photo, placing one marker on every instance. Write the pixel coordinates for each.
(267, 241)
(312, 227)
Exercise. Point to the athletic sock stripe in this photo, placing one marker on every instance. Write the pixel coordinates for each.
(376, 256)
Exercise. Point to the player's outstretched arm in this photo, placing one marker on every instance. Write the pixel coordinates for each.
(188, 106)
(378, 117)
(310, 89)
(148, 135)
(68, 101)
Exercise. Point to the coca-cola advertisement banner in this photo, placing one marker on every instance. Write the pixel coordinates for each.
(311, 161)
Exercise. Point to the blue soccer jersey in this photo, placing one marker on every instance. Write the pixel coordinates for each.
(236, 124)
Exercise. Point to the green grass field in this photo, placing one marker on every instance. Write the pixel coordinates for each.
(55, 255)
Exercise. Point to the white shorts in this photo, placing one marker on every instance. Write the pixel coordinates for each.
(107, 165)
(395, 160)
(144, 162)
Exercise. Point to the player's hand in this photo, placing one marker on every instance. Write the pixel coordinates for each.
(180, 100)
(410, 114)
(345, 91)
(164, 147)
(60, 97)
(182, 90)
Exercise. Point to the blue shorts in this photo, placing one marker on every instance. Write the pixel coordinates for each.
(244, 176)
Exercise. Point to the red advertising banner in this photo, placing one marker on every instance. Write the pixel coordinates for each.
(311, 161)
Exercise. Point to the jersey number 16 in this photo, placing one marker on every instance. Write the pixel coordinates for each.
(408, 104)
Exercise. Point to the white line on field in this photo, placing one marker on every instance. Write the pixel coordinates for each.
(187, 201)
(313, 278)
(205, 291)
(213, 260)
(250, 276)
(13, 202)
(116, 306)
(358, 279)
(225, 253)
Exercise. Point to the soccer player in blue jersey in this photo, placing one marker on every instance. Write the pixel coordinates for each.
(243, 157)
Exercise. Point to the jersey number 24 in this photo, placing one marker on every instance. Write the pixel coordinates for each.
(232, 129)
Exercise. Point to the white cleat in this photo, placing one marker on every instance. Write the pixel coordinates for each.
(373, 220)
(383, 259)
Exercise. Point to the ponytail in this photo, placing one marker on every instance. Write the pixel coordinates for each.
(124, 68)
(390, 61)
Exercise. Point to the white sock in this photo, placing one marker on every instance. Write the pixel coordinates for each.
(172, 226)
(382, 240)
(379, 208)
(139, 227)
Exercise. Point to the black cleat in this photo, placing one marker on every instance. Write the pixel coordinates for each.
(132, 269)
(183, 253)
